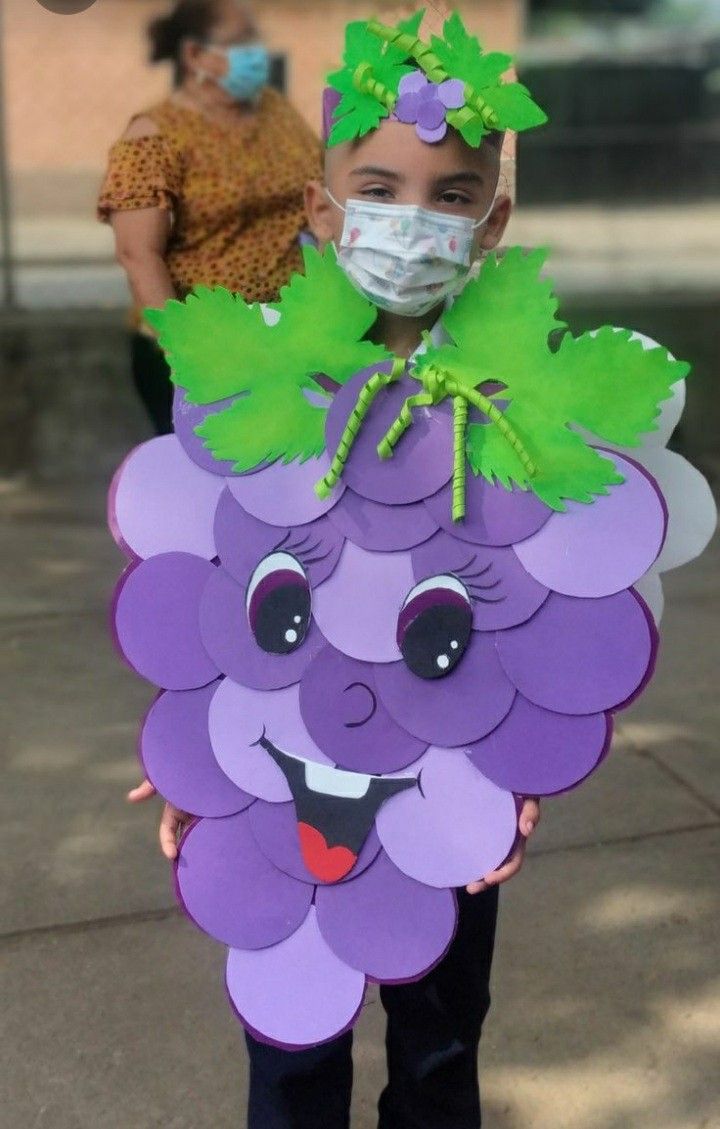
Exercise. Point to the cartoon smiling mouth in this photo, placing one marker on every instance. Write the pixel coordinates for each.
(335, 809)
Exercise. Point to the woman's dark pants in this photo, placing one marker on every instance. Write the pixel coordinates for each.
(151, 377)
(433, 1032)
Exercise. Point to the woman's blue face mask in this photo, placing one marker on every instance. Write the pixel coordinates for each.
(248, 70)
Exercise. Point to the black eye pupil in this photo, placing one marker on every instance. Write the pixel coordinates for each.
(436, 640)
(281, 619)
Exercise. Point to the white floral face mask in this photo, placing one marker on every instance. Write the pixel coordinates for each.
(404, 258)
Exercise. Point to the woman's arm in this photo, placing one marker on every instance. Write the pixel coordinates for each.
(141, 238)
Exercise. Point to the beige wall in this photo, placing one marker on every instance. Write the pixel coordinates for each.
(73, 81)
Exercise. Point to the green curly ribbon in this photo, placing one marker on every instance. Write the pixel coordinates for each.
(433, 69)
(438, 384)
(365, 81)
(368, 393)
(460, 416)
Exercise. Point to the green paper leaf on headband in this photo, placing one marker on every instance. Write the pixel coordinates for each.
(502, 328)
(220, 348)
(514, 107)
(462, 55)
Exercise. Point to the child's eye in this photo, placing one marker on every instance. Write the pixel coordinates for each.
(377, 192)
(455, 198)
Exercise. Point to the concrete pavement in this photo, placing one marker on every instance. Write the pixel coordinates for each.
(606, 986)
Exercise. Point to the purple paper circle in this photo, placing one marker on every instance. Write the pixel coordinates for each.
(283, 494)
(385, 924)
(230, 889)
(455, 828)
(297, 993)
(275, 829)
(384, 529)
(430, 114)
(580, 656)
(493, 515)
(599, 549)
(422, 460)
(238, 718)
(357, 608)
(161, 502)
(243, 541)
(451, 711)
(536, 752)
(503, 594)
(347, 720)
(228, 638)
(178, 757)
(157, 621)
(186, 417)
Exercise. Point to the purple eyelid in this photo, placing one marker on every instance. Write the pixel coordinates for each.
(281, 578)
(433, 598)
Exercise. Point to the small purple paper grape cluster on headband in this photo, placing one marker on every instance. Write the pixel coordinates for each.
(389, 72)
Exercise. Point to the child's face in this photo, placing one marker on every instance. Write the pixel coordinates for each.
(393, 166)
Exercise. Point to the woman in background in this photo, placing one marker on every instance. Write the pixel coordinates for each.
(206, 187)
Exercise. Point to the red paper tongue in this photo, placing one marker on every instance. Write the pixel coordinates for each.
(329, 864)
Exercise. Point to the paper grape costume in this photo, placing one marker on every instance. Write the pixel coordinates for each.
(383, 601)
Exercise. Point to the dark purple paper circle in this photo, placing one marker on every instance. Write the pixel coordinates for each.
(276, 833)
(157, 620)
(537, 752)
(384, 529)
(346, 719)
(228, 638)
(580, 656)
(388, 926)
(186, 417)
(503, 594)
(422, 461)
(450, 711)
(178, 757)
(493, 515)
(230, 889)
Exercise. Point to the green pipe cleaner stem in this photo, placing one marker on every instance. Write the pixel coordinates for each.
(365, 81)
(368, 393)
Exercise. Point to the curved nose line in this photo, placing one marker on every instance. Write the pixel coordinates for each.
(372, 704)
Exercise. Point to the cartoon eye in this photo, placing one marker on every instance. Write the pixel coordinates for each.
(434, 626)
(278, 604)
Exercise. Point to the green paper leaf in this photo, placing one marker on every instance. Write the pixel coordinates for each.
(604, 382)
(462, 55)
(514, 106)
(219, 347)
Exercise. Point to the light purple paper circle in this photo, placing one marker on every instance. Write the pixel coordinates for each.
(493, 515)
(580, 656)
(275, 828)
(385, 924)
(451, 711)
(228, 638)
(157, 621)
(503, 594)
(599, 549)
(344, 716)
(357, 608)
(379, 528)
(161, 502)
(239, 717)
(422, 460)
(536, 752)
(452, 830)
(297, 993)
(178, 757)
(231, 890)
(284, 494)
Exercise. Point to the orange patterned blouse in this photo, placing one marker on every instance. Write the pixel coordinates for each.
(236, 194)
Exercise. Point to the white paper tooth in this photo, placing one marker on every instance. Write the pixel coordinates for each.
(335, 781)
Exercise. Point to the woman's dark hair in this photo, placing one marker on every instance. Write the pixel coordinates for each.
(189, 19)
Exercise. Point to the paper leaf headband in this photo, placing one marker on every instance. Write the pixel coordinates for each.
(500, 365)
(389, 72)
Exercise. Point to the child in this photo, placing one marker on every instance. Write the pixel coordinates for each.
(408, 202)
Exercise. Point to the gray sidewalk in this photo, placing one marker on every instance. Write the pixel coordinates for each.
(606, 987)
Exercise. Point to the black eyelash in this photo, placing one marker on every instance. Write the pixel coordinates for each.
(474, 590)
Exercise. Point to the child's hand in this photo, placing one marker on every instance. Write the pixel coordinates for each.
(172, 821)
(528, 821)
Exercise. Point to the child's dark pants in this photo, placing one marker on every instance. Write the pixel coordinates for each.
(433, 1032)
